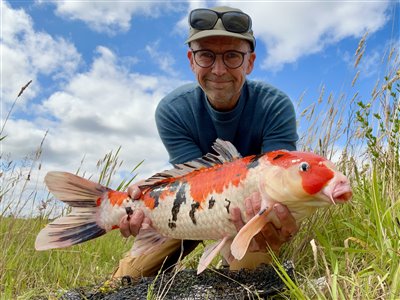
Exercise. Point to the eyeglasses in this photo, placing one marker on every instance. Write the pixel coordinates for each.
(232, 59)
(233, 21)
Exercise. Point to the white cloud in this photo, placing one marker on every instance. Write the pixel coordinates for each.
(108, 16)
(164, 60)
(96, 112)
(291, 30)
(27, 54)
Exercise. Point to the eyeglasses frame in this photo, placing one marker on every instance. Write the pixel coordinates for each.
(215, 57)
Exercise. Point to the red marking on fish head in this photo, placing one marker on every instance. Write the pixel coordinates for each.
(315, 171)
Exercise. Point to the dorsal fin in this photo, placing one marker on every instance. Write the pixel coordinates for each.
(226, 152)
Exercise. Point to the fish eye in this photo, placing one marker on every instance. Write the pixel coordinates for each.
(304, 166)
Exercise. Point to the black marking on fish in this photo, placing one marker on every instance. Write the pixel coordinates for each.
(129, 210)
(254, 162)
(195, 206)
(171, 224)
(80, 233)
(158, 189)
(227, 206)
(278, 156)
(81, 203)
(173, 186)
(179, 199)
(262, 211)
(211, 203)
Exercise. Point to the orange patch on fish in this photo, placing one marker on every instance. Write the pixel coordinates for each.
(204, 182)
(149, 201)
(117, 198)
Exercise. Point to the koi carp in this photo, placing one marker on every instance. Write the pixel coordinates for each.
(193, 200)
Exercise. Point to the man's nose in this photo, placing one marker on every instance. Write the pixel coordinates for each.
(219, 68)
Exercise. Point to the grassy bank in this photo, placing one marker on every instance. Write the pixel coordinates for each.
(27, 272)
(353, 249)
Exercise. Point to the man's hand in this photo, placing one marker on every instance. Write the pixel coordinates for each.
(131, 224)
(271, 235)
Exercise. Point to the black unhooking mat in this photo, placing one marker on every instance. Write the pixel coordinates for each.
(211, 284)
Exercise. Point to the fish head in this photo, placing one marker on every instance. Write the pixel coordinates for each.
(310, 178)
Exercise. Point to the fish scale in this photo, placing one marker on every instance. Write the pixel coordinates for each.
(194, 200)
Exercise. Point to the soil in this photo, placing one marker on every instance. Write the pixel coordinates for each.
(262, 282)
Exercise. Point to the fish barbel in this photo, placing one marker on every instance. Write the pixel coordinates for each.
(193, 201)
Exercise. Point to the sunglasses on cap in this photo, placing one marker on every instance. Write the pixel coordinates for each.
(233, 21)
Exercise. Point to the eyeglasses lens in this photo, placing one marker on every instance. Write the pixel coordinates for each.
(236, 22)
(203, 19)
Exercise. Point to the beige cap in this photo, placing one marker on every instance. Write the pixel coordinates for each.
(219, 30)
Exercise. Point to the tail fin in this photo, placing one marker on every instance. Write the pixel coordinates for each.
(80, 225)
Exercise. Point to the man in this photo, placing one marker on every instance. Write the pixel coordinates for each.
(254, 116)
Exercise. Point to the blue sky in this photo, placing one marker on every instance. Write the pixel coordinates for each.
(99, 68)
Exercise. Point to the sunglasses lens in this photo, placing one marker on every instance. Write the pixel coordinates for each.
(203, 19)
(236, 22)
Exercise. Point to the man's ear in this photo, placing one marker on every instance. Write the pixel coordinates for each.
(250, 64)
(191, 59)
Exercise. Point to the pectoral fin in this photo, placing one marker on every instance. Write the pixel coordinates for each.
(210, 252)
(242, 240)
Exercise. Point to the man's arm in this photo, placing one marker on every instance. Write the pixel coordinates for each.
(175, 133)
(280, 129)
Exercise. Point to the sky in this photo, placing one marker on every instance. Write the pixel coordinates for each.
(99, 68)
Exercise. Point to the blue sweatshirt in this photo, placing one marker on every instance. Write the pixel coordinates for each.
(263, 120)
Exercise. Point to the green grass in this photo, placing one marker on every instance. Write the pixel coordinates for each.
(354, 247)
(24, 270)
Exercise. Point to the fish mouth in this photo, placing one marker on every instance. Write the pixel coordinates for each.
(338, 192)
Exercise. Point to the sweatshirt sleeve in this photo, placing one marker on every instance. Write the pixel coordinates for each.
(280, 130)
(174, 132)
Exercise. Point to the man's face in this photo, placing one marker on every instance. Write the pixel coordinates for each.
(222, 84)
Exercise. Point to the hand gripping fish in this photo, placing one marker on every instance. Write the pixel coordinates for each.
(193, 201)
